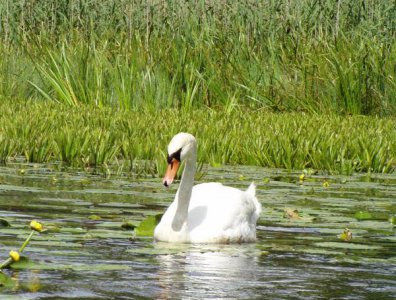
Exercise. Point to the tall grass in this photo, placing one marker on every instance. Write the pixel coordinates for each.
(313, 56)
(87, 137)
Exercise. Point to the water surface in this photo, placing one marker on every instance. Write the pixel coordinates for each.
(88, 255)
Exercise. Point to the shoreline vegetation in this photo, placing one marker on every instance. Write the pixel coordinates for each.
(282, 84)
(87, 136)
(285, 56)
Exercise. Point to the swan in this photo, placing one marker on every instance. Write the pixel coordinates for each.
(207, 212)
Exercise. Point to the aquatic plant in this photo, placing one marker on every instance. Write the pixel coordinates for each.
(15, 256)
(90, 137)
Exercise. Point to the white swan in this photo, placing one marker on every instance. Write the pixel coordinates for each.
(207, 212)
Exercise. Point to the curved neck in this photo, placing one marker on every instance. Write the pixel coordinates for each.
(183, 194)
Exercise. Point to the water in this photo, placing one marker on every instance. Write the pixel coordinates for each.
(88, 255)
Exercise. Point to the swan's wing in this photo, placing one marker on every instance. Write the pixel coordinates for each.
(252, 192)
(218, 210)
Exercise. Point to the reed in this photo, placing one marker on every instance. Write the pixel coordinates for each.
(284, 56)
(88, 136)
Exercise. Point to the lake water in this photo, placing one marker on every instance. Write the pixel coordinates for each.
(86, 254)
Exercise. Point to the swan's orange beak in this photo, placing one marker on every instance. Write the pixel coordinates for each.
(171, 172)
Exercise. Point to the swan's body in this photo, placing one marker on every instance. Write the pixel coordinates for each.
(208, 212)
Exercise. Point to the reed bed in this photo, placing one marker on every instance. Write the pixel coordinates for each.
(93, 83)
(284, 56)
(89, 137)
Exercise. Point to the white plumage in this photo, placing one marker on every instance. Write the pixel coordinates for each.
(207, 212)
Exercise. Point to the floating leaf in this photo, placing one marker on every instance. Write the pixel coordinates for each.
(6, 281)
(99, 267)
(23, 263)
(342, 245)
(146, 227)
(128, 225)
(241, 177)
(392, 220)
(294, 214)
(51, 228)
(363, 215)
(291, 213)
(4, 223)
(94, 217)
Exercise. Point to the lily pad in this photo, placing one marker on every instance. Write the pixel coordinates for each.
(128, 225)
(4, 223)
(23, 263)
(291, 213)
(6, 281)
(99, 267)
(51, 229)
(146, 227)
(363, 215)
(294, 214)
(94, 217)
(342, 245)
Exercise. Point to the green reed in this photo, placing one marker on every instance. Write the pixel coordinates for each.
(312, 56)
(90, 137)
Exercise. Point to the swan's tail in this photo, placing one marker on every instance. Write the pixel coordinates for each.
(251, 191)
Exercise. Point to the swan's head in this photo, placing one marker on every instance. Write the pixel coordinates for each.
(183, 146)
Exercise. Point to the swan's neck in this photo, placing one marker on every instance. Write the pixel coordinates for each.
(183, 194)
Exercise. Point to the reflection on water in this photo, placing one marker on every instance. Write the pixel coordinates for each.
(87, 254)
(209, 271)
(244, 272)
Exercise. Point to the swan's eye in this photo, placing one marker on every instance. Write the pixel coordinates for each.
(175, 155)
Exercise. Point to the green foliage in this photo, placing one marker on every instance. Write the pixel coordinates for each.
(23, 263)
(147, 226)
(6, 281)
(363, 215)
(87, 136)
(313, 56)
(4, 223)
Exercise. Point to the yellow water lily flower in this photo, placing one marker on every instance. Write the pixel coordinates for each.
(326, 184)
(34, 225)
(346, 235)
(14, 255)
(302, 177)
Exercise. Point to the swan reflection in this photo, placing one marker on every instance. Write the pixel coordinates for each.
(203, 271)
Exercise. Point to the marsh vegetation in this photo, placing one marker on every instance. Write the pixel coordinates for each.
(91, 137)
(94, 83)
(311, 56)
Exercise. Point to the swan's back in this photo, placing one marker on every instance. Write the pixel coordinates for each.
(222, 214)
